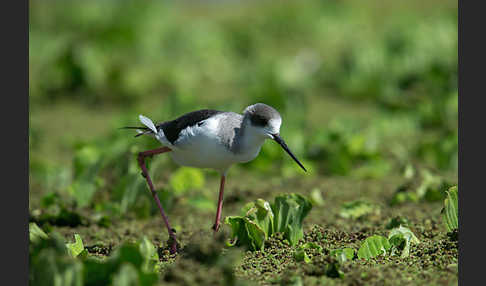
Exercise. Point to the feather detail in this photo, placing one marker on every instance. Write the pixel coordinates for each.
(147, 122)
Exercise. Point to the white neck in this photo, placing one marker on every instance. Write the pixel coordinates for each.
(249, 140)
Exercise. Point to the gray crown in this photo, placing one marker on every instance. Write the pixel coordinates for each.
(261, 113)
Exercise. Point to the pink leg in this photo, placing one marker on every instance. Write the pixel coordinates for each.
(220, 205)
(141, 162)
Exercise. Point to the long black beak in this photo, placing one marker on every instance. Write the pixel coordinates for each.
(280, 141)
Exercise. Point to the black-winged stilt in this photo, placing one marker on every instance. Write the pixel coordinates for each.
(212, 139)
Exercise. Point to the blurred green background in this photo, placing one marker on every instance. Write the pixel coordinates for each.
(366, 89)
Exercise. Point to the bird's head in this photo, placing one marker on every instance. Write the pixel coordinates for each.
(266, 122)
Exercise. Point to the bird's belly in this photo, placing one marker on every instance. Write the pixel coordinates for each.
(203, 152)
(211, 155)
(201, 147)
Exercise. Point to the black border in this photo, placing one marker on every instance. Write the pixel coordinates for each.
(15, 194)
(471, 78)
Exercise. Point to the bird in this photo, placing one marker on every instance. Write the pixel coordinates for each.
(211, 139)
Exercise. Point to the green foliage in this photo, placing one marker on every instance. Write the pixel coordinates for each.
(149, 253)
(333, 270)
(451, 210)
(395, 93)
(312, 245)
(401, 238)
(56, 211)
(289, 212)
(373, 246)
(261, 213)
(399, 241)
(246, 232)
(261, 220)
(439, 149)
(360, 110)
(77, 247)
(301, 255)
(423, 185)
(185, 179)
(126, 257)
(343, 254)
(358, 209)
(36, 233)
(430, 186)
(52, 262)
(343, 148)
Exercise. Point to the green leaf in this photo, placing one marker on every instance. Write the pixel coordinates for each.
(77, 247)
(238, 230)
(36, 233)
(255, 234)
(246, 232)
(300, 255)
(149, 253)
(373, 246)
(358, 209)
(311, 245)
(343, 254)
(401, 238)
(261, 213)
(289, 211)
(451, 209)
(261, 220)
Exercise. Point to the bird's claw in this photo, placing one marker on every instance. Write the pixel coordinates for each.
(216, 227)
(174, 246)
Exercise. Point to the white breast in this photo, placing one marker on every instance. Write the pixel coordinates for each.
(199, 146)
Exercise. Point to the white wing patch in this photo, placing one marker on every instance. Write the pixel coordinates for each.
(147, 122)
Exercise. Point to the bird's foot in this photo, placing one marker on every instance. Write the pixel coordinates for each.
(174, 245)
(216, 227)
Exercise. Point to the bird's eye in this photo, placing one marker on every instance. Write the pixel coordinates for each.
(258, 120)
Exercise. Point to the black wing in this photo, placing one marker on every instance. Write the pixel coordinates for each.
(174, 127)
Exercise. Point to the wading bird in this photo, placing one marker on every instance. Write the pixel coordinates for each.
(211, 139)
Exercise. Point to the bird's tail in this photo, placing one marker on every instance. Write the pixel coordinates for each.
(147, 129)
